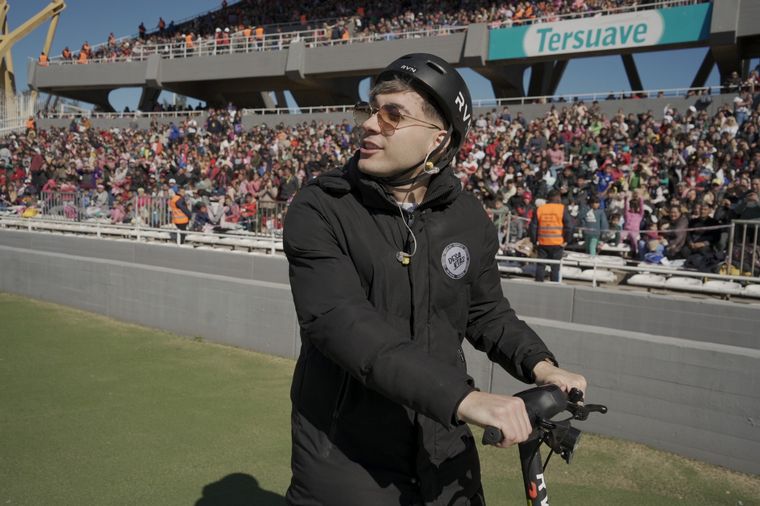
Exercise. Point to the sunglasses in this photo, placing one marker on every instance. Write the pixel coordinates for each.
(388, 117)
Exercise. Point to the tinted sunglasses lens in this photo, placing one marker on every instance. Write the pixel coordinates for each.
(362, 113)
(390, 115)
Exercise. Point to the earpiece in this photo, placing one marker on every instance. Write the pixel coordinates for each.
(431, 169)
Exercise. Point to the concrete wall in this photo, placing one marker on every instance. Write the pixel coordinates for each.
(694, 397)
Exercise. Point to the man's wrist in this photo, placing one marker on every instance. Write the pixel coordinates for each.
(541, 368)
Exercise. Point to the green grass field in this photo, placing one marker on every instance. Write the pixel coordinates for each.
(98, 412)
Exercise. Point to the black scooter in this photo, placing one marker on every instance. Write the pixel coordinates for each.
(542, 404)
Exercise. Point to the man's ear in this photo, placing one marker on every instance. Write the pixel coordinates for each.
(441, 141)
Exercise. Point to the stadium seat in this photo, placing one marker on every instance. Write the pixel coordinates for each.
(648, 280)
(238, 242)
(752, 290)
(684, 283)
(598, 275)
(722, 287)
(570, 272)
(202, 239)
(510, 267)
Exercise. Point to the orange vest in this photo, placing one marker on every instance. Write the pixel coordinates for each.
(260, 32)
(82, 57)
(550, 224)
(30, 124)
(188, 41)
(178, 217)
(44, 60)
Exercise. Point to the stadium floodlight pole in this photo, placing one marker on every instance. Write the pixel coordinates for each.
(9, 38)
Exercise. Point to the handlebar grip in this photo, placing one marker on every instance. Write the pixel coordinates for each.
(492, 435)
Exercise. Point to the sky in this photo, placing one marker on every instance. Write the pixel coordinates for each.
(93, 20)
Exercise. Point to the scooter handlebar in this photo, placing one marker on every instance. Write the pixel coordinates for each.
(542, 404)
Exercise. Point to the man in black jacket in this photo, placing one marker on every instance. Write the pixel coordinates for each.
(391, 267)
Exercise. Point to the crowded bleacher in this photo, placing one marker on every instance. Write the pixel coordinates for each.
(667, 188)
(251, 24)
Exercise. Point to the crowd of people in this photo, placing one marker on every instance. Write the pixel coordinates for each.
(667, 188)
(248, 22)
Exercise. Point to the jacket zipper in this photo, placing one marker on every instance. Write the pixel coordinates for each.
(339, 401)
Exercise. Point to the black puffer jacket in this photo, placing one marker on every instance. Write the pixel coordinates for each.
(381, 370)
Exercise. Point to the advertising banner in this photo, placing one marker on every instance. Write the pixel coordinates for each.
(673, 25)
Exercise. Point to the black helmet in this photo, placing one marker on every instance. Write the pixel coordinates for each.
(443, 83)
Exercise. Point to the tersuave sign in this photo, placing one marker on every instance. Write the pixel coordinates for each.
(619, 31)
(577, 36)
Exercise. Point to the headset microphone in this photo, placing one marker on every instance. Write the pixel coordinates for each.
(404, 258)
(431, 169)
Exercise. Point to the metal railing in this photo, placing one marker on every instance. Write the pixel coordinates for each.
(568, 99)
(239, 43)
(744, 247)
(345, 109)
(102, 228)
(15, 112)
(512, 228)
(150, 211)
(597, 263)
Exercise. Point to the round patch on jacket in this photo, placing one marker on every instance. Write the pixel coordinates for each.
(455, 260)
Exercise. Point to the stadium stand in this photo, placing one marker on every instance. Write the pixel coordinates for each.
(670, 187)
(672, 184)
(252, 25)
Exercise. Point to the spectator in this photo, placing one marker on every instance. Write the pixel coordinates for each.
(593, 222)
(677, 234)
(180, 213)
(288, 185)
(632, 221)
(550, 231)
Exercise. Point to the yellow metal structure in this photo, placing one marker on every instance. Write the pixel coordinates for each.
(9, 37)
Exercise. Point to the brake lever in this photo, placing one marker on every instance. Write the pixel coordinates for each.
(581, 411)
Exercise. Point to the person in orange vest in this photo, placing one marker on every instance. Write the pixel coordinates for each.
(189, 42)
(550, 230)
(180, 212)
(259, 33)
(247, 34)
(31, 126)
(82, 57)
(43, 61)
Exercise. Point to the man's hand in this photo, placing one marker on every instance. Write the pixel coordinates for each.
(547, 373)
(506, 413)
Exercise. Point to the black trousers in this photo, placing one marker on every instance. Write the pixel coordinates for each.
(552, 253)
(183, 227)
